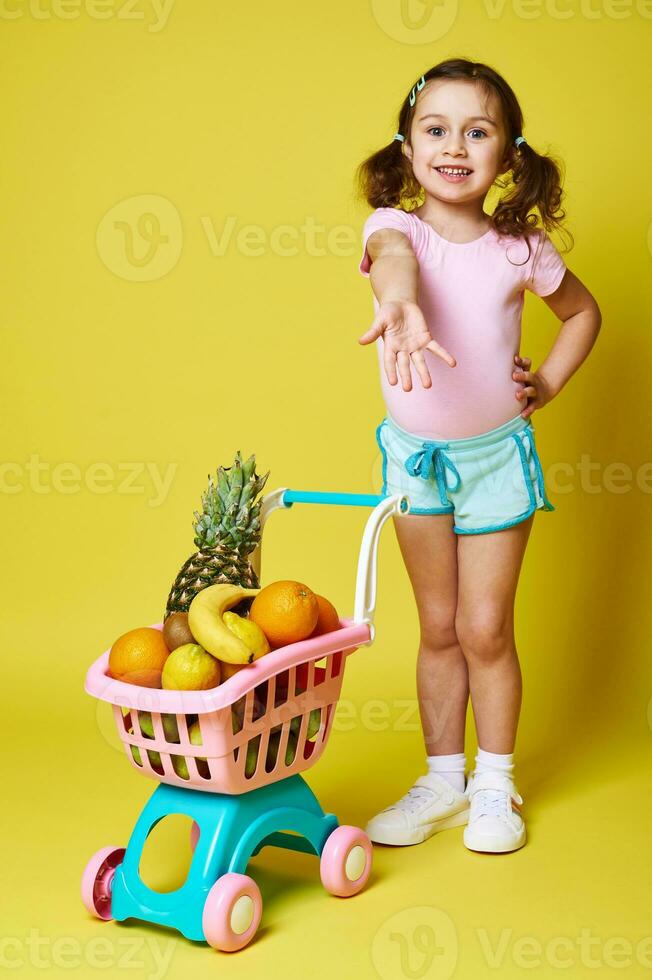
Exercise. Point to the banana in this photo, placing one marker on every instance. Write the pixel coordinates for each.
(208, 627)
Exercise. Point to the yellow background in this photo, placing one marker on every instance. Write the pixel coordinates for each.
(258, 115)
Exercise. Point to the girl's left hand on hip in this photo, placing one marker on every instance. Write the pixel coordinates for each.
(536, 392)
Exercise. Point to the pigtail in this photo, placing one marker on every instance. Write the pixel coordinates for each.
(536, 186)
(385, 178)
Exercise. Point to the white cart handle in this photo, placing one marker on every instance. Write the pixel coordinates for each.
(366, 581)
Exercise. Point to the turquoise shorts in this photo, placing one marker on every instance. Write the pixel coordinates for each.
(489, 482)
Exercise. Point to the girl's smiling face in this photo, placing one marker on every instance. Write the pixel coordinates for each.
(455, 126)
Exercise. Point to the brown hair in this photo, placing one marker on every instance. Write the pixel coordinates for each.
(385, 179)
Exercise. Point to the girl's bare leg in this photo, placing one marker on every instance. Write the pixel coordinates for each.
(488, 570)
(429, 548)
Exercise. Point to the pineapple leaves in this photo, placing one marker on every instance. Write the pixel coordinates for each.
(230, 517)
(226, 531)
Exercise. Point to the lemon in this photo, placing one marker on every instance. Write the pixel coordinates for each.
(178, 761)
(170, 728)
(190, 668)
(252, 756)
(154, 757)
(314, 719)
(237, 715)
(249, 632)
(314, 723)
(291, 748)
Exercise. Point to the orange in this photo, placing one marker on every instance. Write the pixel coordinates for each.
(228, 670)
(137, 657)
(328, 619)
(286, 612)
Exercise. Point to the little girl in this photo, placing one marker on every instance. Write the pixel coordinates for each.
(448, 282)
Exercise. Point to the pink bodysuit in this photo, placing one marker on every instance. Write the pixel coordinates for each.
(471, 295)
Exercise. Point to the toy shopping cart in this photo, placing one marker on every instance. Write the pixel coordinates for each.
(240, 796)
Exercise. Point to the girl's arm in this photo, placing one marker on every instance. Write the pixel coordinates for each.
(394, 278)
(394, 272)
(576, 307)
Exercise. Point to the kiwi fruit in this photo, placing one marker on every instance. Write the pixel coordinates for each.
(176, 631)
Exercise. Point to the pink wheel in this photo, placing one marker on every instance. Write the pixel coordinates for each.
(232, 912)
(97, 881)
(345, 863)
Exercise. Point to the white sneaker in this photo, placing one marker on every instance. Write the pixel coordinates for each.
(495, 823)
(431, 805)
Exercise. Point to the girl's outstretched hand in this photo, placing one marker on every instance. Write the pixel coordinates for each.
(405, 335)
(536, 392)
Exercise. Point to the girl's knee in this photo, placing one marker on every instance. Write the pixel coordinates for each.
(438, 629)
(485, 634)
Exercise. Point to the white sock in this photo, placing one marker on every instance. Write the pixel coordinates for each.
(450, 767)
(486, 761)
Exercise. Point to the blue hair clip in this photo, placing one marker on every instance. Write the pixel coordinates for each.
(416, 88)
(519, 140)
(397, 136)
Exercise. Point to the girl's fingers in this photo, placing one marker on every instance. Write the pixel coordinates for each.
(420, 364)
(523, 360)
(403, 361)
(374, 330)
(390, 364)
(435, 348)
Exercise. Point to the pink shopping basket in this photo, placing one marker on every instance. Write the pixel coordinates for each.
(263, 701)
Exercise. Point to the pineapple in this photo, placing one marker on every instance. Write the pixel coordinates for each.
(227, 530)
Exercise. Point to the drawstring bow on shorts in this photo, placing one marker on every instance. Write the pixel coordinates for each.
(433, 458)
